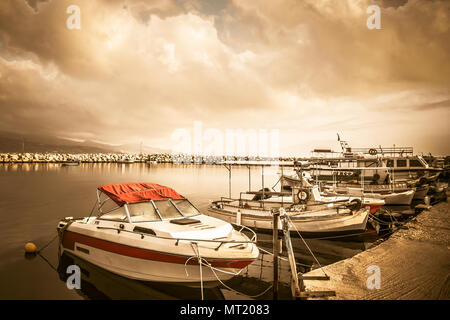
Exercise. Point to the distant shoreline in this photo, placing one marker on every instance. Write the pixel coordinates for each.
(124, 158)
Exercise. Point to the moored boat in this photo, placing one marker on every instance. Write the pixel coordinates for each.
(324, 221)
(389, 197)
(152, 233)
(305, 215)
(287, 183)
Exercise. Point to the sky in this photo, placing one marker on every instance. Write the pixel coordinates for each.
(141, 71)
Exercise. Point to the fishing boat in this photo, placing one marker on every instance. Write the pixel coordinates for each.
(149, 232)
(389, 197)
(399, 160)
(420, 186)
(327, 197)
(306, 216)
(392, 193)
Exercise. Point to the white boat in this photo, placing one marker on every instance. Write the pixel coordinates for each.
(387, 192)
(152, 233)
(310, 218)
(325, 197)
(389, 197)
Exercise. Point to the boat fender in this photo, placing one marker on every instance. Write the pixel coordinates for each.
(373, 152)
(354, 205)
(422, 181)
(303, 195)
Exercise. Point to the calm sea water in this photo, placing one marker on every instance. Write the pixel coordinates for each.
(34, 197)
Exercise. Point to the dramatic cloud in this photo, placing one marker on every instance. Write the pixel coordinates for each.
(138, 70)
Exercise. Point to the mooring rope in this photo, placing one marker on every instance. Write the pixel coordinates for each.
(231, 289)
(39, 253)
(204, 262)
(200, 266)
(284, 259)
(312, 254)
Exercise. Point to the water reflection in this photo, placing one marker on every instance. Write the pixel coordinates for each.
(100, 284)
(97, 283)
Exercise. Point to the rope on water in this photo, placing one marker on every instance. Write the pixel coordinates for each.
(48, 262)
(203, 262)
(47, 244)
(39, 253)
(231, 289)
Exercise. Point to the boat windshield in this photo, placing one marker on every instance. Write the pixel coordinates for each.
(142, 212)
(175, 208)
(145, 211)
(186, 208)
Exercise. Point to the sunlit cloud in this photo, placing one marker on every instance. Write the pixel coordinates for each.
(137, 70)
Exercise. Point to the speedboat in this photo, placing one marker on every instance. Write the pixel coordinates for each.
(149, 232)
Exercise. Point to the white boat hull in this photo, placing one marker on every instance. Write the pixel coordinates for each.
(146, 270)
(161, 259)
(392, 198)
(306, 225)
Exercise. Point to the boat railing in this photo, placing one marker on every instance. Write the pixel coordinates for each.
(241, 200)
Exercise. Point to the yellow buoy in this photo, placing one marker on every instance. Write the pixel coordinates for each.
(30, 247)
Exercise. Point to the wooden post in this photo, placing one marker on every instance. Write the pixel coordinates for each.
(229, 179)
(262, 183)
(276, 250)
(249, 179)
(295, 286)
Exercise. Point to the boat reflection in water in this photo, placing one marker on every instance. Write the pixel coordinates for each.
(100, 284)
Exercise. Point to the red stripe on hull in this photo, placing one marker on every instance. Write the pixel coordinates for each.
(69, 239)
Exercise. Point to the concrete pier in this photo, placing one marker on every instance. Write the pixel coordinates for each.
(414, 263)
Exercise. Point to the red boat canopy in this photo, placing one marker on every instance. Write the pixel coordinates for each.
(122, 193)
